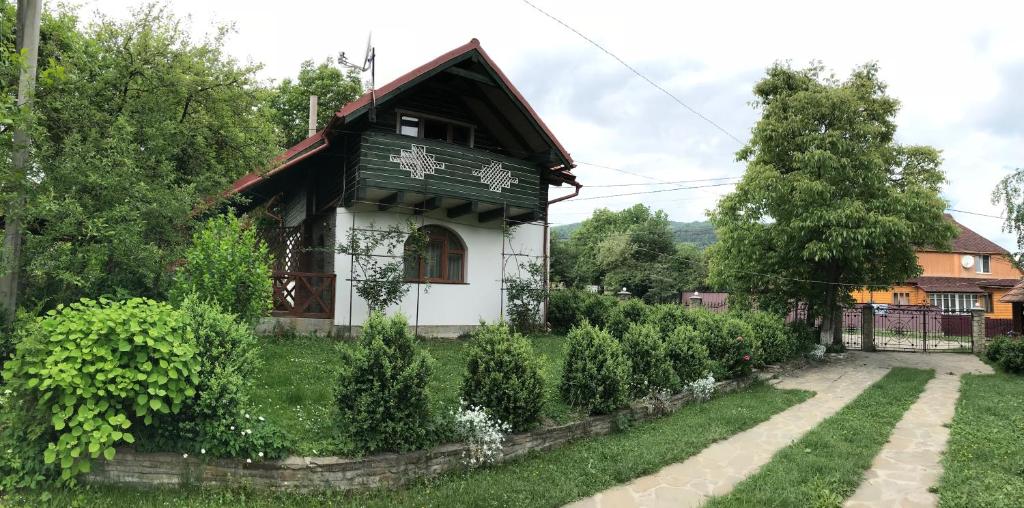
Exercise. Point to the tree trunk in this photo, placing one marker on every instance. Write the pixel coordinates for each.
(27, 40)
(828, 319)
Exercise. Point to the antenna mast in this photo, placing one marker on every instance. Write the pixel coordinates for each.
(369, 64)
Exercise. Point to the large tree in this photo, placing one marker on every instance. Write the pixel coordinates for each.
(290, 100)
(829, 201)
(1010, 193)
(141, 125)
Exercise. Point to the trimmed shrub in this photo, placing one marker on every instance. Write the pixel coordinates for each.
(1011, 356)
(596, 373)
(770, 333)
(995, 349)
(667, 317)
(229, 265)
(728, 341)
(570, 307)
(650, 368)
(220, 420)
(687, 355)
(804, 336)
(92, 369)
(382, 390)
(503, 376)
(625, 314)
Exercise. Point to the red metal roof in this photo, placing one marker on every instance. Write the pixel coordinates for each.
(970, 242)
(307, 146)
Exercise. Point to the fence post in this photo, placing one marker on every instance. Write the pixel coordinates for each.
(867, 328)
(978, 330)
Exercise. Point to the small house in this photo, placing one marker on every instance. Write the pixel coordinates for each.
(451, 148)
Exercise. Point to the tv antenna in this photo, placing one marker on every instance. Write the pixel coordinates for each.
(369, 64)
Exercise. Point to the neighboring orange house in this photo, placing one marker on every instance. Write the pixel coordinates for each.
(975, 271)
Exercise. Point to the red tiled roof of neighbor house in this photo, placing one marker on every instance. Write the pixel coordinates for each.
(960, 284)
(968, 241)
(310, 145)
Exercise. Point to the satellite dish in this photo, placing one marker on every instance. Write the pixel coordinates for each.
(967, 261)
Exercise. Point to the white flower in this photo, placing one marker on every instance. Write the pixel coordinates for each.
(260, 454)
(261, 419)
(202, 450)
(184, 456)
(232, 427)
(247, 415)
(248, 431)
(483, 434)
(702, 389)
(248, 461)
(818, 353)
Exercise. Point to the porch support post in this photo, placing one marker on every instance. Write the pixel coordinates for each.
(978, 330)
(867, 328)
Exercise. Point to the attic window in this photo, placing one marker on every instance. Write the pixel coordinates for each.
(435, 128)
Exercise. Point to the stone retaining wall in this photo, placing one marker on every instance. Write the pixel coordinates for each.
(311, 473)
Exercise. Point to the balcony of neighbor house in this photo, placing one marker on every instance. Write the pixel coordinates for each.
(302, 272)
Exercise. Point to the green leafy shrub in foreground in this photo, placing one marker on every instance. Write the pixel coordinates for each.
(503, 376)
(626, 313)
(728, 340)
(228, 265)
(1009, 354)
(650, 368)
(687, 355)
(770, 333)
(92, 369)
(382, 390)
(570, 307)
(596, 372)
(667, 317)
(220, 420)
(995, 349)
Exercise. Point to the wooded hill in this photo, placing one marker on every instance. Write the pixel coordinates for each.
(699, 233)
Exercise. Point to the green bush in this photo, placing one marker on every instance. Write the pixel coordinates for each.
(570, 307)
(229, 265)
(770, 334)
(382, 390)
(1011, 356)
(92, 369)
(995, 349)
(503, 376)
(625, 314)
(667, 317)
(650, 368)
(728, 341)
(687, 355)
(805, 337)
(596, 372)
(220, 420)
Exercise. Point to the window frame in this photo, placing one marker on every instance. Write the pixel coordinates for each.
(896, 297)
(982, 261)
(960, 303)
(421, 119)
(437, 233)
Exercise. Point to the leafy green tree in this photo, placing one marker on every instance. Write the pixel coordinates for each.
(829, 201)
(1009, 192)
(290, 98)
(144, 124)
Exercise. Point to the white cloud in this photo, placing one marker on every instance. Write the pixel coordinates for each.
(950, 64)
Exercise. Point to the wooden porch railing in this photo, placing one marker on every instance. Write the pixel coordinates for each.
(303, 294)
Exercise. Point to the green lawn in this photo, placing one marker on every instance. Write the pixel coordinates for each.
(984, 464)
(295, 387)
(540, 479)
(825, 466)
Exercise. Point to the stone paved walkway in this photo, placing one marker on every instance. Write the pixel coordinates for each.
(910, 462)
(718, 468)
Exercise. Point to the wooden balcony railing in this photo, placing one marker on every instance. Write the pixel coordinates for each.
(303, 294)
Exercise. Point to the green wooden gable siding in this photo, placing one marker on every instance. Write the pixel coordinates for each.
(455, 179)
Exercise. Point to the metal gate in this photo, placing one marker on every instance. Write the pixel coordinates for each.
(852, 321)
(921, 328)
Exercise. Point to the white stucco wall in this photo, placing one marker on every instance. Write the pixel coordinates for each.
(443, 305)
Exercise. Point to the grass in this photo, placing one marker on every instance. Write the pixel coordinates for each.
(540, 479)
(825, 466)
(295, 387)
(984, 463)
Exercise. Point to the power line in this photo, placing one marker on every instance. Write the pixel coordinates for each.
(676, 182)
(638, 73)
(975, 213)
(655, 191)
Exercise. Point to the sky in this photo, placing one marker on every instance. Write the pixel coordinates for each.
(956, 67)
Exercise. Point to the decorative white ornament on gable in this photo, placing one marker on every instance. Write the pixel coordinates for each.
(417, 162)
(495, 176)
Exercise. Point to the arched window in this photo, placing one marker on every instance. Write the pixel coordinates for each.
(443, 260)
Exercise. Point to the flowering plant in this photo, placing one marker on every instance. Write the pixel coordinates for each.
(483, 434)
(703, 388)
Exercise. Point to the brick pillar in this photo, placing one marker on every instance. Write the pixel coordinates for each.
(867, 328)
(978, 330)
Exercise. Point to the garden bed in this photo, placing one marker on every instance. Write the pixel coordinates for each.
(383, 470)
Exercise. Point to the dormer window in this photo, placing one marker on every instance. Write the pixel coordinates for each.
(981, 264)
(435, 128)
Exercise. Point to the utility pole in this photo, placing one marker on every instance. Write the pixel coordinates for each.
(29, 13)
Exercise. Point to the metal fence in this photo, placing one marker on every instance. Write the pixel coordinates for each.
(921, 328)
